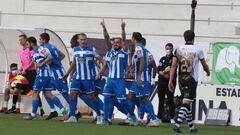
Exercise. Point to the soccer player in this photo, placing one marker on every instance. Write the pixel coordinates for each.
(152, 73)
(58, 72)
(82, 81)
(116, 62)
(42, 58)
(109, 44)
(142, 78)
(98, 90)
(187, 57)
(152, 64)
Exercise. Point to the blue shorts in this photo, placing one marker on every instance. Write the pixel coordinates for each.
(143, 90)
(61, 85)
(82, 86)
(115, 87)
(132, 88)
(43, 84)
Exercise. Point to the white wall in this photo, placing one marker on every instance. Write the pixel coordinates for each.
(156, 19)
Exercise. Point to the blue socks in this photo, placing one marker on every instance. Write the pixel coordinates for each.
(150, 110)
(111, 107)
(66, 97)
(106, 109)
(50, 102)
(121, 107)
(131, 104)
(100, 103)
(96, 106)
(35, 103)
(57, 102)
(87, 101)
(73, 104)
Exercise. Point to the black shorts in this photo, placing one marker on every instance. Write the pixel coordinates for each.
(22, 87)
(188, 88)
(30, 76)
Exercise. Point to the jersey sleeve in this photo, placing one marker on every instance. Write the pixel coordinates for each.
(45, 52)
(139, 52)
(95, 54)
(160, 65)
(200, 54)
(175, 53)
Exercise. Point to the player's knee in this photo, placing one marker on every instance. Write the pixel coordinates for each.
(35, 95)
(188, 102)
(122, 101)
(72, 95)
(144, 99)
(130, 96)
(91, 97)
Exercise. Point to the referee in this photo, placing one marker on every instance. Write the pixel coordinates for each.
(163, 77)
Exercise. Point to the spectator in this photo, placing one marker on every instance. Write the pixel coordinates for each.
(14, 87)
(163, 77)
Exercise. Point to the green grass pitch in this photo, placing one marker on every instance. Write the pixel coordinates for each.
(13, 124)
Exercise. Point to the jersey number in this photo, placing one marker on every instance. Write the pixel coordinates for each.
(186, 65)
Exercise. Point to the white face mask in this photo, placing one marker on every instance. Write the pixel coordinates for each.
(168, 52)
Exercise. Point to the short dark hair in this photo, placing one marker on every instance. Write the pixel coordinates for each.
(23, 35)
(13, 65)
(82, 34)
(189, 35)
(45, 36)
(169, 44)
(137, 36)
(32, 40)
(73, 41)
(143, 41)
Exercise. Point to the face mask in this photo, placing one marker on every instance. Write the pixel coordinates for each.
(168, 52)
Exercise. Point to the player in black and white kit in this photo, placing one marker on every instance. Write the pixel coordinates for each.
(187, 58)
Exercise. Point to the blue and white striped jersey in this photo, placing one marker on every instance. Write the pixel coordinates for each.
(141, 52)
(40, 54)
(56, 66)
(56, 59)
(117, 62)
(84, 58)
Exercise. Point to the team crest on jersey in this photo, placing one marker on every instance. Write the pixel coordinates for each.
(81, 59)
(43, 52)
(139, 52)
(114, 57)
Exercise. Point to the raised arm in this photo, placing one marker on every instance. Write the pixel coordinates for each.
(106, 35)
(124, 40)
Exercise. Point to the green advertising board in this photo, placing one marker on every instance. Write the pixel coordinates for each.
(226, 63)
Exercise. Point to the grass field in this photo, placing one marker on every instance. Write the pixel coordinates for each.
(12, 124)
